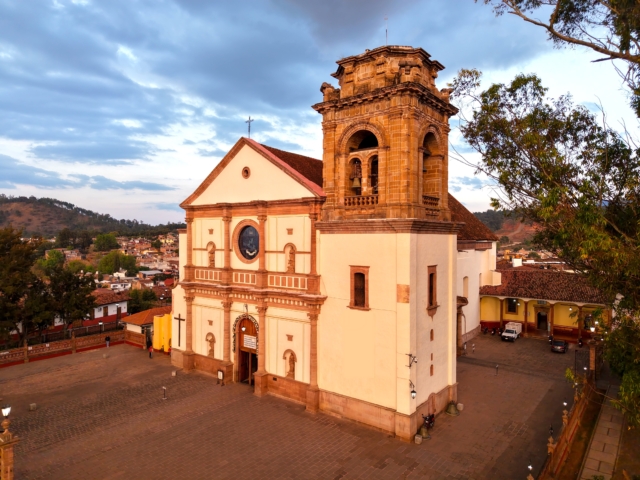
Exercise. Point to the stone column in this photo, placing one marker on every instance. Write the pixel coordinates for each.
(501, 312)
(188, 353)
(261, 375)
(188, 268)
(459, 342)
(261, 277)
(526, 317)
(313, 392)
(226, 277)
(314, 280)
(551, 315)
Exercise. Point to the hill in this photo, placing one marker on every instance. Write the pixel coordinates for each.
(47, 216)
(503, 225)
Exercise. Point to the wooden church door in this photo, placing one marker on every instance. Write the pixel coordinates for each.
(247, 352)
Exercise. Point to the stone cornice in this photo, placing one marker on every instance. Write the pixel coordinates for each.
(402, 225)
(425, 94)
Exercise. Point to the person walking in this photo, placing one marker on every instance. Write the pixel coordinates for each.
(107, 339)
(149, 347)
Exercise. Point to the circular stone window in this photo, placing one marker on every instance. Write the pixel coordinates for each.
(246, 172)
(249, 242)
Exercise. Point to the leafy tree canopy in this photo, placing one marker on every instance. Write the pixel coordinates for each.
(105, 242)
(578, 179)
(609, 27)
(114, 261)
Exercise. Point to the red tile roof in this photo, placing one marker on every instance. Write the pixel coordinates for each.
(473, 228)
(544, 285)
(306, 166)
(146, 316)
(106, 296)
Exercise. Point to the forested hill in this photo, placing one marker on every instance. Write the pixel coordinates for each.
(491, 219)
(47, 216)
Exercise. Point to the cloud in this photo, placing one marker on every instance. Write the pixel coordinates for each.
(14, 173)
(457, 184)
(174, 207)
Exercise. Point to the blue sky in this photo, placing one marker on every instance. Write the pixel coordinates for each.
(123, 107)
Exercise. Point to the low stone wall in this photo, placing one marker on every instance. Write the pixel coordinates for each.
(55, 349)
(287, 388)
(135, 339)
(559, 450)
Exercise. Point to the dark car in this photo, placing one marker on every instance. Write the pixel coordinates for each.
(559, 346)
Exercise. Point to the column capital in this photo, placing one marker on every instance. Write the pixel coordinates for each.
(313, 316)
(313, 216)
(188, 219)
(262, 309)
(262, 218)
(189, 298)
(226, 304)
(226, 219)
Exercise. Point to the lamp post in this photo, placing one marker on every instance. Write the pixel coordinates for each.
(101, 326)
(7, 442)
(117, 314)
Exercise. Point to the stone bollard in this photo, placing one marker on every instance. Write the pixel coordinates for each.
(32, 407)
(417, 439)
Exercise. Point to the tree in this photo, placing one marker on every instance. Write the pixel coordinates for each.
(105, 242)
(141, 300)
(77, 266)
(24, 300)
(114, 261)
(71, 294)
(157, 244)
(504, 240)
(579, 180)
(608, 27)
(65, 238)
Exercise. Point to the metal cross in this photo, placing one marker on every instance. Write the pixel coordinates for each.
(248, 122)
(180, 319)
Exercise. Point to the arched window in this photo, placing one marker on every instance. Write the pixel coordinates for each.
(373, 175)
(362, 140)
(465, 287)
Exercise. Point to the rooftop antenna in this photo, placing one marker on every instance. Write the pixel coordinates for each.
(386, 29)
(248, 122)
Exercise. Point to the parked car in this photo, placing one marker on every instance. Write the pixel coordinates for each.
(559, 346)
(512, 331)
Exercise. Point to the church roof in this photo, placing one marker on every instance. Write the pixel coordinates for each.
(310, 168)
(473, 228)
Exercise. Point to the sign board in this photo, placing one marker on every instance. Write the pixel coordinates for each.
(249, 341)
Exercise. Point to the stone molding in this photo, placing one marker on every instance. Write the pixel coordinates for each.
(409, 225)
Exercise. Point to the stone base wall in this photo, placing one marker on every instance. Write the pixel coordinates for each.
(471, 334)
(287, 388)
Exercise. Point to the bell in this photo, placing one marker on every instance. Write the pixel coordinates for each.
(356, 183)
(452, 410)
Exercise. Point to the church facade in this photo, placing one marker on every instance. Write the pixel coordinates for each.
(336, 283)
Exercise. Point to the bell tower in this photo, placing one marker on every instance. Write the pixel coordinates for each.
(386, 137)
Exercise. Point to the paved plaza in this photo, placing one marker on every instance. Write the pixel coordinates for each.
(104, 418)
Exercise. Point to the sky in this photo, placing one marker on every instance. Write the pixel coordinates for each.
(125, 106)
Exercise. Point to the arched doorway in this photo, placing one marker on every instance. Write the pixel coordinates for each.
(246, 335)
(541, 321)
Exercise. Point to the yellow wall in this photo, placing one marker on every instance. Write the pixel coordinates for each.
(490, 309)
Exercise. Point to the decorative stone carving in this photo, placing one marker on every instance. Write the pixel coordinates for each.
(291, 362)
(291, 258)
(212, 256)
(211, 340)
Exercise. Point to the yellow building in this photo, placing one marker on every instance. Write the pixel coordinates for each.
(322, 281)
(546, 302)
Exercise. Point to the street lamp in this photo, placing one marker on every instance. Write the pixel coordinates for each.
(101, 326)
(6, 410)
(413, 390)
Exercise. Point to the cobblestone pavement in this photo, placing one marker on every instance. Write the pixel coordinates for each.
(103, 418)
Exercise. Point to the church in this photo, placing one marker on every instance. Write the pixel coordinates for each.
(347, 284)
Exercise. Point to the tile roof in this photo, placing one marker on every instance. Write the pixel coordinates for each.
(473, 228)
(146, 316)
(544, 285)
(310, 168)
(105, 296)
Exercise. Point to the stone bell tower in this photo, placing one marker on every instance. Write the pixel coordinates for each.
(386, 137)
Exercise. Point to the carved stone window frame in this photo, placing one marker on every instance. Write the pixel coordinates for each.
(236, 235)
(432, 290)
(365, 271)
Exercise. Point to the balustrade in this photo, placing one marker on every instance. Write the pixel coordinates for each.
(361, 201)
(288, 281)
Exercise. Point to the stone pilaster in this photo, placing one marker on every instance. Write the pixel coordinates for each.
(313, 392)
(188, 353)
(261, 375)
(226, 278)
(226, 354)
(261, 278)
(188, 268)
